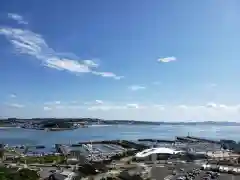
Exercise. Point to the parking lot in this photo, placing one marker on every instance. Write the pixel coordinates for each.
(175, 172)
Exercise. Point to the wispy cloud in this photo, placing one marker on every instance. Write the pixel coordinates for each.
(213, 85)
(108, 74)
(15, 105)
(117, 106)
(108, 107)
(17, 18)
(156, 83)
(159, 106)
(104, 108)
(136, 87)
(33, 44)
(222, 107)
(187, 111)
(135, 106)
(183, 106)
(167, 59)
(13, 95)
(95, 102)
(52, 103)
(46, 108)
(57, 105)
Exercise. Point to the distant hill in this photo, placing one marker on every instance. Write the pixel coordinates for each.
(56, 125)
(108, 122)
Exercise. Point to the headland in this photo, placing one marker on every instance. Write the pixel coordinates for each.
(56, 124)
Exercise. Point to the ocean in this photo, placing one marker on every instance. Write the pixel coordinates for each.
(18, 136)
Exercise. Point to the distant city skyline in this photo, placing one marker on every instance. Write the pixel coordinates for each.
(133, 60)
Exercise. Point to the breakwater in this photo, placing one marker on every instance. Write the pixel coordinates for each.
(203, 139)
(157, 140)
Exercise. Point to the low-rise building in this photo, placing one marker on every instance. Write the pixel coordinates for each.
(64, 175)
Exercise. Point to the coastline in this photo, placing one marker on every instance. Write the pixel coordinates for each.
(101, 125)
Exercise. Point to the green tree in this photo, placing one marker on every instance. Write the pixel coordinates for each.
(1, 152)
(26, 174)
(12, 174)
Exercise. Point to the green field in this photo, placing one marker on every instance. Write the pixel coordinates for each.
(43, 159)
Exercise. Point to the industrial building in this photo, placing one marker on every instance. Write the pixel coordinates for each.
(221, 168)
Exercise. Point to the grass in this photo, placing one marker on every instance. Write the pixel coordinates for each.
(12, 151)
(43, 159)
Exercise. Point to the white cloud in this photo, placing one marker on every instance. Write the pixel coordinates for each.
(136, 87)
(93, 103)
(52, 103)
(99, 102)
(211, 105)
(45, 108)
(136, 106)
(90, 63)
(57, 102)
(112, 106)
(167, 59)
(182, 106)
(99, 105)
(133, 111)
(33, 44)
(223, 106)
(160, 112)
(102, 108)
(55, 107)
(67, 65)
(108, 74)
(13, 96)
(17, 18)
(15, 105)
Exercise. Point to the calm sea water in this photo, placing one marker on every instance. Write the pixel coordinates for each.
(16, 136)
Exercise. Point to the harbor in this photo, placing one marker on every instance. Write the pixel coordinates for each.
(94, 157)
(94, 152)
(104, 150)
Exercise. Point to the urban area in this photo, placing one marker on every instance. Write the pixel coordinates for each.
(184, 158)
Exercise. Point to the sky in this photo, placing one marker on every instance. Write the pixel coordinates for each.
(134, 60)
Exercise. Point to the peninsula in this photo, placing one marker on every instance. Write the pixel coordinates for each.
(56, 124)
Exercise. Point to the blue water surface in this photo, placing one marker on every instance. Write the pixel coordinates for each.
(17, 136)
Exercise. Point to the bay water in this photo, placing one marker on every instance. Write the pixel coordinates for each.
(18, 136)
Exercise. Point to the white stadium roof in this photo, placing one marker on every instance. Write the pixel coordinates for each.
(160, 150)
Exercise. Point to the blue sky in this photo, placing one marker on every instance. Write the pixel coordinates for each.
(143, 60)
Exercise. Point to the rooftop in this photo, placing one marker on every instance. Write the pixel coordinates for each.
(160, 150)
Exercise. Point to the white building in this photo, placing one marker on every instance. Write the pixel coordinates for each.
(156, 153)
(64, 175)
